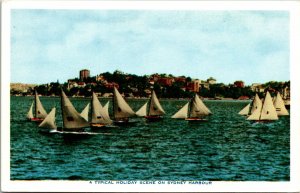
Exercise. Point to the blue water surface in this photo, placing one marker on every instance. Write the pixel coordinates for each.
(226, 148)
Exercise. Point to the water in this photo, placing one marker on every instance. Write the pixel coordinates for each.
(226, 148)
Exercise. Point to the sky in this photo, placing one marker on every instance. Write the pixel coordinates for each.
(50, 45)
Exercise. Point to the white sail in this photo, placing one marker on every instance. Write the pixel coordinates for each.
(71, 118)
(255, 115)
(245, 110)
(105, 107)
(155, 107)
(182, 113)
(30, 114)
(121, 108)
(279, 106)
(274, 99)
(198, 108)
(39, 109)
(256, 104)
(85, 112)
(268, 111)
(49, 121)
(99, 114)
(142, 111)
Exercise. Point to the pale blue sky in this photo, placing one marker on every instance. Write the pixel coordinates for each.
(51, 45)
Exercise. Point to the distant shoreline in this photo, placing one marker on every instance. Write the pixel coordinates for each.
(142, 98)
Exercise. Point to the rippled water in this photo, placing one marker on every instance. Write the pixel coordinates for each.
(226, 148)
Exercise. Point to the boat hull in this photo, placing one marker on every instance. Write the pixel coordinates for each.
(97, 125)
(153, 118)
(38, 120)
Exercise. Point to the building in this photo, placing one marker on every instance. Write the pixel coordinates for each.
(239, 84)
(165, 81)
(180, 79)
(84, 74)
(256, 87)
(111, 85)
(193, 86)
(211, 80)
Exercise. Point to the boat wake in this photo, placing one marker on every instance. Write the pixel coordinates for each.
(79, 133)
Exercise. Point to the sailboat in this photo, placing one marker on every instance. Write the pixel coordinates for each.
(121, 110)
(266, 112)
(195, 110)
(155, 110)
(251, 107)
(72, 120)
(142, 112)
(40, 112)
(49, 122)
(85, 112)
(279, 105)
(100, 116)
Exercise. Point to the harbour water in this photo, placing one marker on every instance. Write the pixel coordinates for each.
(226, 148)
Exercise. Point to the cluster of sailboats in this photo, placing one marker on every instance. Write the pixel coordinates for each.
(194, 110)
(265, 110)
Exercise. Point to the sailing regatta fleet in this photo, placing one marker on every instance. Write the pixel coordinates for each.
(265, 110)
(195, 110)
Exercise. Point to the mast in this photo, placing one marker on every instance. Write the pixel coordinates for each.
(40, 112)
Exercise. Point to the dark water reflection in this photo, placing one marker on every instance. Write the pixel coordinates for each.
(227, 147)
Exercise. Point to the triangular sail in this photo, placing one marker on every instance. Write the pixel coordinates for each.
(105, 107)
(30, 114)
(85, 112)
(121, 108)
(245, 110)
(198, 108)
(39, 109)
(71, 118)
(49, 121)
(155, 107)
(268, 110)
(279, 105)
(142, 111)
(256, 104)
(182, 113)
(99, 114)
(255, 115)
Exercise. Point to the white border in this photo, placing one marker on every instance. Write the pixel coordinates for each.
(83, 186)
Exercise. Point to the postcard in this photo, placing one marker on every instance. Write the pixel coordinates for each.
(150, 96)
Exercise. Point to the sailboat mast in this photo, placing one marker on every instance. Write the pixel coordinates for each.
(150, 103)
(114, 102)
(35, 103)
(190, 106)
(61, 108)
